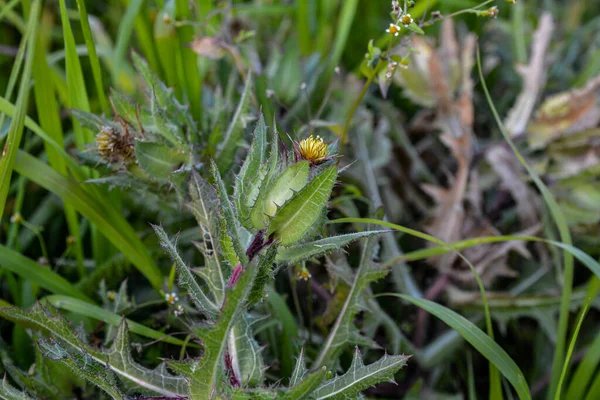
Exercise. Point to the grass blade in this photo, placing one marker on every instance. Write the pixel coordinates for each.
(15, 132)
(565, 237)
(34, 272)
(48, 111)
(108, 220)
(98, 313)
(93, 56)
(478, 339)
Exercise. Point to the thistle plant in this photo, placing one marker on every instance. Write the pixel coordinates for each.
(272, 216)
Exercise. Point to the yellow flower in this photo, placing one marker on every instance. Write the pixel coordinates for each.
(393, 30)
(111, 295)
(313, 149)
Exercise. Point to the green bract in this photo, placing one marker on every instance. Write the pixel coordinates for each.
(291, 180)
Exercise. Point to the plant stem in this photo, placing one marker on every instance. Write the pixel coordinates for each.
(354, 108)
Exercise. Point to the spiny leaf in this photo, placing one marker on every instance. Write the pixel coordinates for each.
(164, 96)
(186, 278)
(360, 377)
(208, 369)
(91, 121)
(7, 392)
(249, 179)
(296, 253)
(156, 380)
(291, 180)
(304, 388)
(343, 331)
(204, 206)
(229, 143)
(167, 128)
(299, 214)
(117, 359)
(265, 269)
(246, 360)
(84, 366)
(230, 238)
(300, 370)
(156, 159)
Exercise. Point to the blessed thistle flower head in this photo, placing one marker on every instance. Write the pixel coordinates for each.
(111, 145)
(171, 298)
(313, 149)
(393, 30)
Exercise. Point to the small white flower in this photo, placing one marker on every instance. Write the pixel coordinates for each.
(406, 20)
(303, 86)
(178, 310)
(393, 30)
(171, 298)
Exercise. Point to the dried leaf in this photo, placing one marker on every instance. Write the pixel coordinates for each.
(209, 46)
(534, 78)
(565, 114)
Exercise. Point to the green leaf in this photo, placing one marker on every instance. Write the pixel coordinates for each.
(93, 56)
(565, 236)
(15, 132)
(230, 142)
(48, 111)
(109, 221)
(156, 159)
(117, 358)
(585, 371)
(264, 276)
(343, 332)
(204, 206)
(7, 392)
(360, 377)
(77, 94)
(231, 244)
(208, 369)
(250, 177)
(34, 272)
(304, 388)
(297, 217)
(246, 361)
(291, 180)
(300, 252)
(300, 370)
(482, 342)
(186, 278)
(84, 366)
(163, 95)
(92, 311)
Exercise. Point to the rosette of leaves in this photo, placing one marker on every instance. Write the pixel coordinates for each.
(273, 218)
